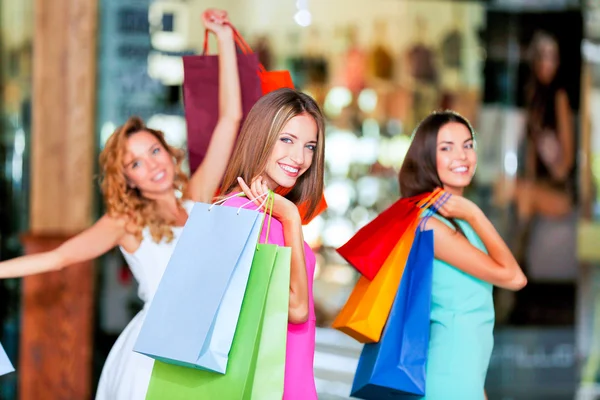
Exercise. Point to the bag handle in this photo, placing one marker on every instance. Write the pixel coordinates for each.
(269, 200)
(240, 194)
(270, 214)
(432, 197)
(239, 41)
(431, 210)
(252, 201)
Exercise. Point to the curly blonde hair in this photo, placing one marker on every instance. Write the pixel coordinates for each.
(123, 201)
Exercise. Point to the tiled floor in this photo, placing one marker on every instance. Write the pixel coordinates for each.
(336, 357)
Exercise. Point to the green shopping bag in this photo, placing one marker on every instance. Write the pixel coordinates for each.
(175, 382)
(269, 369)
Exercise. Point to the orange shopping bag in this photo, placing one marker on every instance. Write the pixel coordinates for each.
(273, 80)
(364, 315)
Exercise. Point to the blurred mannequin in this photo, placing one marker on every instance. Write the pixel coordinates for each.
(545, 193)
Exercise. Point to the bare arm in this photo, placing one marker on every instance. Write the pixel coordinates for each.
(207, 178)
(298, 309)
(91, 243)
(287, 212)
(564, 122)
(498, 267)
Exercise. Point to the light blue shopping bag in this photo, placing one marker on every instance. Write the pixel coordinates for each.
(5, 365)
(192, 318)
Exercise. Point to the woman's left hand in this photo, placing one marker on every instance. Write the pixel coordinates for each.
(283, 209)
(217, 21)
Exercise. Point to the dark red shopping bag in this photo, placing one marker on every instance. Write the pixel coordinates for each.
(368, 249)
(201, 92)
(269, 80)
(201, 98)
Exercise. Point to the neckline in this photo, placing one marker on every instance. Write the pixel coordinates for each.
(187, 206)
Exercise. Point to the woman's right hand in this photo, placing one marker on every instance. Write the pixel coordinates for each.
(216, 21)
(460, 208)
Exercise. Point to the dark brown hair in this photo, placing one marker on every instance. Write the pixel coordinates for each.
(419, 170)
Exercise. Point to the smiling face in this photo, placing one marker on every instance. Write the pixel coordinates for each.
(293, 152)
(282, 141)
(148, 166)
(455, 157)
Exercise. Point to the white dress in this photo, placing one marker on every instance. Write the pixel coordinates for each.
(126, 374)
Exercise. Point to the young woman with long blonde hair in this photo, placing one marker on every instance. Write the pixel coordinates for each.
(148, 198)
(282, 146)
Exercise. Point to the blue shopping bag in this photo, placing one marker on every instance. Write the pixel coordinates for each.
(5, 365)
(192, 318)
(394, 368)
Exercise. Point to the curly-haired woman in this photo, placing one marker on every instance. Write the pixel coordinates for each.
(141, 183)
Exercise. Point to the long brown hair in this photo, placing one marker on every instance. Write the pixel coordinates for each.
(123, 201)
(260, 132)
(418, 173)
(541, 97)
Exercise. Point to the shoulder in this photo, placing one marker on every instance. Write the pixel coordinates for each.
(439, 225)
(114, 221)
(117, 223)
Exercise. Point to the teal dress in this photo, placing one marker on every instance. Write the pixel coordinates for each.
(461, 330)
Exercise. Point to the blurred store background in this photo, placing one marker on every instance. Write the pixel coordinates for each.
(376, 67)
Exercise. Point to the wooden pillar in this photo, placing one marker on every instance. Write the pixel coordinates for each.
(57, 309)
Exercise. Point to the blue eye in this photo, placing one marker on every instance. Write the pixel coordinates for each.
(135, 164)
(469, 145)
(286, 140)
(156, 150)
(311, 147)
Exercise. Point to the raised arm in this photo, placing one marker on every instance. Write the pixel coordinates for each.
(207, 178)
(91, 243)
(498, 267)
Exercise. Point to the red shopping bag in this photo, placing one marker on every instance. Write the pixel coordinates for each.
(368, 249)
(201, 92)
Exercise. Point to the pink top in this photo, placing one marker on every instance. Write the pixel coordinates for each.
(300, 351)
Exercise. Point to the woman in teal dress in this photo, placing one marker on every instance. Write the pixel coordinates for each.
(470, 257)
